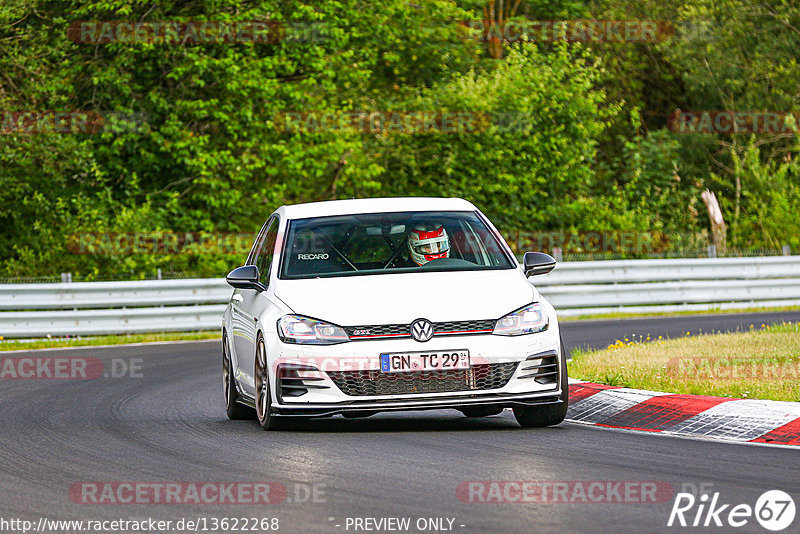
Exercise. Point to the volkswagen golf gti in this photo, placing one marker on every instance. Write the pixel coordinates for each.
(354, 307)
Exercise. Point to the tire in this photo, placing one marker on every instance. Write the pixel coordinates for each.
(481, 411)
(234, 409)
(549, 414)
(266, 419)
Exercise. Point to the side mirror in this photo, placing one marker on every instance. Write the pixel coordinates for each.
(538, 263)
(245, 278)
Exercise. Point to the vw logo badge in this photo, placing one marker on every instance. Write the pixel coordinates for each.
(422, 330)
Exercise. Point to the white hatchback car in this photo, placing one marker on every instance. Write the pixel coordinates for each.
(354, 307)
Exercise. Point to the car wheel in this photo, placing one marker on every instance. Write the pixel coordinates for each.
(266, 419)
(481, 411)
(549, 414)
(234, 409)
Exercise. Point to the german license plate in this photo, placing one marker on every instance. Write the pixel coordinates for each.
(405, 362)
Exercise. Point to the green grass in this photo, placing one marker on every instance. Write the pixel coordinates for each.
(106, 340)
(623, 315)
(760, 364)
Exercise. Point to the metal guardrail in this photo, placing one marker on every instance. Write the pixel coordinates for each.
(111, 321)
(626, 271)
(574, 288)
(668, 286)
(79, 295)
(99, 308)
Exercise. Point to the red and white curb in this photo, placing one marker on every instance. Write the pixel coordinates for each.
(743, 420)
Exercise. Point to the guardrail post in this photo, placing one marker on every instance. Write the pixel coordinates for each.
(787, 250)
(66, 278)
(557, 254)
(712, 251)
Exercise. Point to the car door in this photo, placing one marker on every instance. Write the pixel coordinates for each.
(241, 328)
(250, 306)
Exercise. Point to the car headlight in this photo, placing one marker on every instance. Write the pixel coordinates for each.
(528, 320)
(299, 329)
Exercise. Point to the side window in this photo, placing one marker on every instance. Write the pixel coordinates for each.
(251, 258)
(265, 255)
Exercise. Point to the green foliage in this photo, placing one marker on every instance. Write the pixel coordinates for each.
(573, 137)
(765, 208)
(531, 166)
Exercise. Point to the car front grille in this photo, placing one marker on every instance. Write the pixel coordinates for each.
(447, 328)
(477, 377)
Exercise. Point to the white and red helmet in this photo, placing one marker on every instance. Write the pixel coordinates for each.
(427, 243)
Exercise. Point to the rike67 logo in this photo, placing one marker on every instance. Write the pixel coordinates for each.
(774, 510)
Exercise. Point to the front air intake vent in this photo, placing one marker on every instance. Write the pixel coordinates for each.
(542, 367)
(294, 380)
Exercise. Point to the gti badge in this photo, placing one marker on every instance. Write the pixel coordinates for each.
(422, 330)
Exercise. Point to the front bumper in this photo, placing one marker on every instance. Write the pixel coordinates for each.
(326, 398)
(496, 399)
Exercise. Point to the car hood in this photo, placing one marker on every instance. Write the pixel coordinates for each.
(401, 298)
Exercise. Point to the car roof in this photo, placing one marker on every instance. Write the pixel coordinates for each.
(374, 205)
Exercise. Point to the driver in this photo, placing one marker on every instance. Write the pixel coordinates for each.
(427, 243)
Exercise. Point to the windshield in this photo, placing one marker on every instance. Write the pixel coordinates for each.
(378, 243)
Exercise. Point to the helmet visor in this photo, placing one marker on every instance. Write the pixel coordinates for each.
(432, 247)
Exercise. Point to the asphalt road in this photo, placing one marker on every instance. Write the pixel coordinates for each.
(166, 423)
